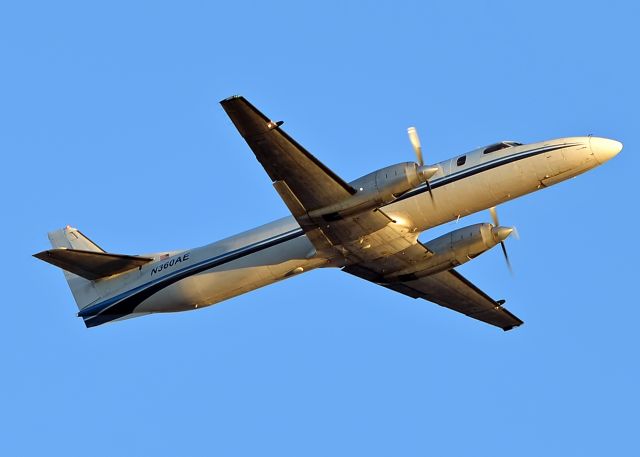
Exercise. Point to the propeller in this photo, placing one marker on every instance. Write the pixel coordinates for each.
(415, 142)
(501, 233)
(427, 172)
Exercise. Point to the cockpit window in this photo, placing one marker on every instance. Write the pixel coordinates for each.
(461, 160)
(498, 146)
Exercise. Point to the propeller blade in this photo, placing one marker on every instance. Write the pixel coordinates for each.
(415, 142)
(430, 193)
(494, 216)
(428, 172)
(503, 233)
(506, 256)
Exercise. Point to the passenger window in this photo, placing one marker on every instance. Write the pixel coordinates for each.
(461, 161)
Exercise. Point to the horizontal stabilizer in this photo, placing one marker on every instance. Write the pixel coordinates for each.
(90, 264)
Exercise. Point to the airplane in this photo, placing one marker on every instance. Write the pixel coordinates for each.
(368, 227)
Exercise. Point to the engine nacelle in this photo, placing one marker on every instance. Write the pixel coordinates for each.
(455, 248)
(378, 189)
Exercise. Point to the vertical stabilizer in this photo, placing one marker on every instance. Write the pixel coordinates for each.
(72, 238)
(84, 291)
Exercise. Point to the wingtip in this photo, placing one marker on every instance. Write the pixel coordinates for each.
(511, 327)
(228, 99)
(42, 255)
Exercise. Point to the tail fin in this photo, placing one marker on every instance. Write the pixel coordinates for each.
(92, 273)
(84, 291)
(72, 238)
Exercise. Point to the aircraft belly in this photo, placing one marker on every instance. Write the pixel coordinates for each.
(470, 195)
(513, 180)
(235, 278)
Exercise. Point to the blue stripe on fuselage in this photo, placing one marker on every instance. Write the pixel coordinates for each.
(465, 173)
(94, 310)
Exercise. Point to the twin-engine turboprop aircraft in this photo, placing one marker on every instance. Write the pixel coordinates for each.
(368, 227)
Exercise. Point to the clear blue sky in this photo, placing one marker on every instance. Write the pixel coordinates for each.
(109, 121)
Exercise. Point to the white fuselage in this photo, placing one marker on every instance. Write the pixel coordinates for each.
(207, 275)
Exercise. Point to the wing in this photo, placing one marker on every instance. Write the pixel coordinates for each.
(371, 242)
(449, 289)
(303, 182)
(313, 183)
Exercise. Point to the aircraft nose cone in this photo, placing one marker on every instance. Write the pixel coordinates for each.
(501, 233)
(604, 149)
